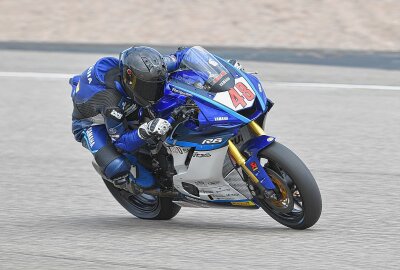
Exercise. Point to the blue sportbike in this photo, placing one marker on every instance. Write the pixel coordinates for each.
(217, 153)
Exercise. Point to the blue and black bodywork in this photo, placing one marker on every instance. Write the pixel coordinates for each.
(215, 122)
(214, 118)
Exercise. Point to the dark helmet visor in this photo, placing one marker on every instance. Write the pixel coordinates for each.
(145, 93)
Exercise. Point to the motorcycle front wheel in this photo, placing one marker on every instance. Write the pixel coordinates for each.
(297, 203)
(144, 206)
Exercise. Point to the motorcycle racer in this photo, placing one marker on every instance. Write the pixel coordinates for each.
(106, 117)
(217, 155)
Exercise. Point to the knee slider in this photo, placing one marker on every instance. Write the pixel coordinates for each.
(117, 168)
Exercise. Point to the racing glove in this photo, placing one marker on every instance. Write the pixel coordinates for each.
(153, 129)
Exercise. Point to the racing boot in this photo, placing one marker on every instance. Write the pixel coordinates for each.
(143, 180)
(134, 184)
(125, 175)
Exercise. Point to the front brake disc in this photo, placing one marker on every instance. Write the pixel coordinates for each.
(283, 200)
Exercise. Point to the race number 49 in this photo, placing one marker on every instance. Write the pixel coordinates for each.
(240, 94)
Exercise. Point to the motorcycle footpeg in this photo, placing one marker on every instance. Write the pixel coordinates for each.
(116, 182)
(124, 184)
(135, 189)
(162, 193)
(119, 182)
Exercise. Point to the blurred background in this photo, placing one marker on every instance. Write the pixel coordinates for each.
(331, 67)
(329, 24)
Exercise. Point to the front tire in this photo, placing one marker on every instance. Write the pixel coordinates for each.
(284, 166)
(144, 206)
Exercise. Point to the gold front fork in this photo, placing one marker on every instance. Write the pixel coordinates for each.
(239, 158)
(256, 128)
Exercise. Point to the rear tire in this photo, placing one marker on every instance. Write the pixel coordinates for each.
(144, 206)
(284, 163)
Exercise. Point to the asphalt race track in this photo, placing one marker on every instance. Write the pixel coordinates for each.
(56, 213)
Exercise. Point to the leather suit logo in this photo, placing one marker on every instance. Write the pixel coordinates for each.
(89, 74)
(116, 114)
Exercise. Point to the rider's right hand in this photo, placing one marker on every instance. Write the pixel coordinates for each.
(153, 129)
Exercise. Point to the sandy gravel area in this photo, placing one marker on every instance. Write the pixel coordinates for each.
(330, 24)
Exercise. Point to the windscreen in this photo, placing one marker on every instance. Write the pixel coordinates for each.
(216, 77)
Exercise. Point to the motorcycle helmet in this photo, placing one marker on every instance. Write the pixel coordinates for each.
(144, 73)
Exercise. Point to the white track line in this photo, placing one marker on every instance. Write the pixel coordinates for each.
(337, 85)
(42, 75)
(38, 75)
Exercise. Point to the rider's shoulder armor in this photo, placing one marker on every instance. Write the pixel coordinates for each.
(92, 80)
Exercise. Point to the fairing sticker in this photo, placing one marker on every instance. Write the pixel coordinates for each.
(238, 98)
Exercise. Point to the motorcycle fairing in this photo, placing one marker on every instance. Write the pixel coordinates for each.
(213, 114)
(226, 99)
(199, 151)
(204, 172)
(252, 80)
(199, 140)
(202, 95)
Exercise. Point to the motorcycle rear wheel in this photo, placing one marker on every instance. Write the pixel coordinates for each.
(144, 206)
(289, 173)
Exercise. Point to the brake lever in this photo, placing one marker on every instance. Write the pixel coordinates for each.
(179, 118)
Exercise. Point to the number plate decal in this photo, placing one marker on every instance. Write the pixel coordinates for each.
(238, 98)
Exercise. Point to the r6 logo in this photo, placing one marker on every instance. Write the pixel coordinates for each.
(212, 141)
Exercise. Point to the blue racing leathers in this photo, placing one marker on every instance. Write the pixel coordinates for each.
(99, 99)
(104, 118)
